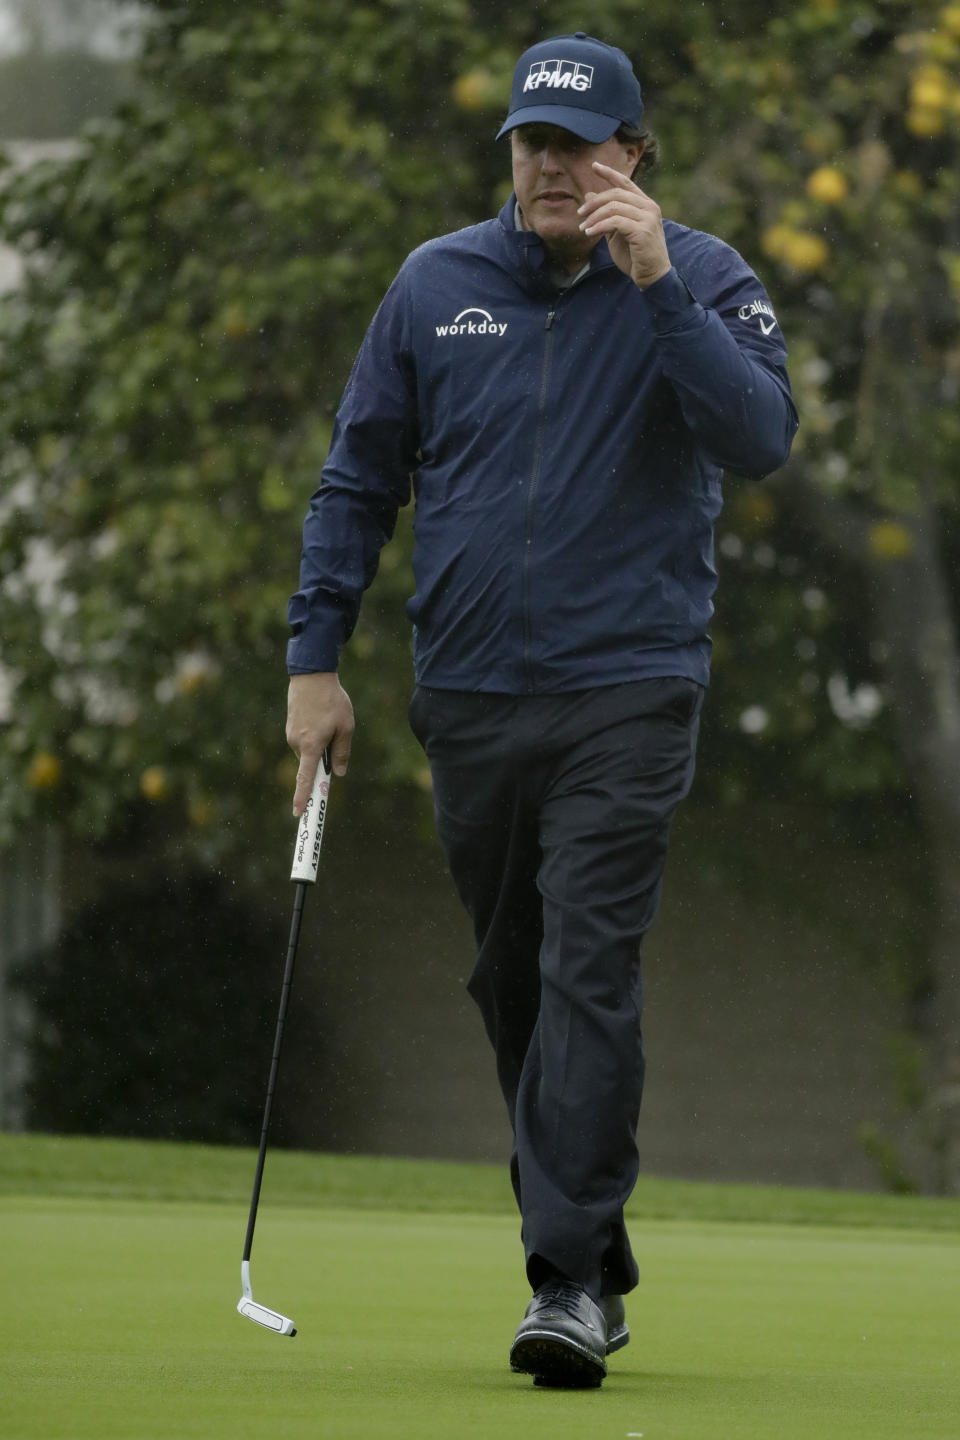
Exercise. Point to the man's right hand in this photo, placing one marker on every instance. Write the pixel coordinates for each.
(319, 713)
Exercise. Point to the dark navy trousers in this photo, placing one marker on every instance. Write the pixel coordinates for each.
(554, 812)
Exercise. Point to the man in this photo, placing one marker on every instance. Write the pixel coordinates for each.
(565, 385)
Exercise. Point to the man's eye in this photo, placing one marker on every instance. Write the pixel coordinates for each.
(537, 140)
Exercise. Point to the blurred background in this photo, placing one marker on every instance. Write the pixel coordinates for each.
(200, 208)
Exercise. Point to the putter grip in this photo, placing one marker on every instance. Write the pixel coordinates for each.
(306, 853)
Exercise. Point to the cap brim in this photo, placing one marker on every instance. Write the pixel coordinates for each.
(586, 123)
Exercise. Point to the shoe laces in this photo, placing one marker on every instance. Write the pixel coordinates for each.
(563, 1295)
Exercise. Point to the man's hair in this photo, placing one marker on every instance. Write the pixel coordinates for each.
(630, 135)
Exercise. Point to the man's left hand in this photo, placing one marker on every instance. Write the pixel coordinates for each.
(632, 223)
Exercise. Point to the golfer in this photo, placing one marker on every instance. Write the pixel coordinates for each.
(563, 387)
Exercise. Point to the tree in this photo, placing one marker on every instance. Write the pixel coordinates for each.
(199, 278)
(196, 280)
(840, 156)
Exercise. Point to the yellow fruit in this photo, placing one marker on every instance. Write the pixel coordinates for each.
(775, 239)
(940, 46)
(153, 783)
(930, 73)
(929, 94)
(44, 771)
(889, 540)
(473, 90)
(925, 124)
(828, 185)
(796, 248)
(807, 252)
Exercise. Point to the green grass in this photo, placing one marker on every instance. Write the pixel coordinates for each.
(761, 1313)
(150, 1170)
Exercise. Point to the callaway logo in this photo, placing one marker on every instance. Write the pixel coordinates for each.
(758, 308)
(484, 325)
(559, 75)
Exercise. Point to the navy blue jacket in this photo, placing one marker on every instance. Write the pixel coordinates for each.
(565, 449)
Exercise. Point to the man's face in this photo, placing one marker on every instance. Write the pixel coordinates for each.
(551, 177)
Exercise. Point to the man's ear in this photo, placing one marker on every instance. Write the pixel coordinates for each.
(635, 149)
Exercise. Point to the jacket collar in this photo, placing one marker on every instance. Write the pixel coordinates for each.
(526, 249)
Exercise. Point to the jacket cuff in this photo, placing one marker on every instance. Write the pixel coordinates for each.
(305, 658)
(670, 302)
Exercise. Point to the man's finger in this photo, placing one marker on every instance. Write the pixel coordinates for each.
(619, 213)
(306, 774)
(340, 752)
(621, 181)
(633, 196)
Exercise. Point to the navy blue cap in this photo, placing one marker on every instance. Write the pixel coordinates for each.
(576, 82)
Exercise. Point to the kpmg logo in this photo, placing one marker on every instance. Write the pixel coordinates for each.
(473, 321)
(559, 75)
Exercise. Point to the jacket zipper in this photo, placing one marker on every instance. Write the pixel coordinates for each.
(535, 471)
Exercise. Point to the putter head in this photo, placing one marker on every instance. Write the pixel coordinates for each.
(261, 1314)
(269, 1319)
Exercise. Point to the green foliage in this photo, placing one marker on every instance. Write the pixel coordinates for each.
(841, 187)
(845, 170)
(885, 1155)
(198, 279)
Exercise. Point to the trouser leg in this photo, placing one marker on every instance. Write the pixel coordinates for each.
(489, 833)
(604, 822)
(554, 814)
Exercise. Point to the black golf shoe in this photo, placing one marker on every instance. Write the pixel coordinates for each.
(618, 1331)
(562, 1339)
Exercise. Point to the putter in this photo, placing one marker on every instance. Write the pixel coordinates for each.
(306, 859)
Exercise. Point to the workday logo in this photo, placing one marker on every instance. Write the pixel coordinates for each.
(559, 75)
(473, 321)
(760, 308)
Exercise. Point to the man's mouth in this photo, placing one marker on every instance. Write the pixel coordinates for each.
(554, 197)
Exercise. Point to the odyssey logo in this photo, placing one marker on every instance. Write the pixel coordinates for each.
(308, 824)
(473, 321)
(559, 75)
(758, 308)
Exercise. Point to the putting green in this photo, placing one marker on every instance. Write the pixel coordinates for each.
(119, 1324)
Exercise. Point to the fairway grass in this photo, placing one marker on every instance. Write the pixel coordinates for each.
(119, 1319)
